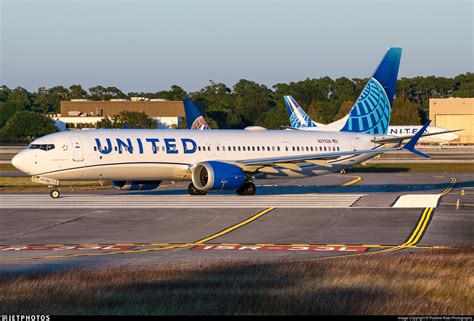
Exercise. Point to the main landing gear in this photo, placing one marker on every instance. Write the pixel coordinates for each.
(248, 188)
(192, 190)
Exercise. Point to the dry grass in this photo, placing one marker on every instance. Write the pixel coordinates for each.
(421, 283)
(6, 156)
(7, 167)
(24, 184)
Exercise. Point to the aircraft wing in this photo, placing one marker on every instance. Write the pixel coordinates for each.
(399, 139)
(312, 157)
(320, 159)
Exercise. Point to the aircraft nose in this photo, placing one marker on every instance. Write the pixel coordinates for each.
(20, 161)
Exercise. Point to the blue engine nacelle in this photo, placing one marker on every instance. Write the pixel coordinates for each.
(214, 175)
(136, 185)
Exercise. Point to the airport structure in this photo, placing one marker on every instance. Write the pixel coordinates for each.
(454, 113)
(84, 114)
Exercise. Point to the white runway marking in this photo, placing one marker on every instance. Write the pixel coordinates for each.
(34, 201)
(417, 200)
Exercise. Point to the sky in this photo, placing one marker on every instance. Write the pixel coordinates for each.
(150, 45)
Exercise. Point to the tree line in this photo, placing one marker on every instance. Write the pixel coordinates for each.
(246, 103)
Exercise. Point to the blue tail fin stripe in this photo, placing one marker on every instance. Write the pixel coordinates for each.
(194, 119)
(298, 118)
(373, 103)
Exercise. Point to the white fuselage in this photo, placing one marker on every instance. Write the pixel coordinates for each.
(150, 154)
(403, 130)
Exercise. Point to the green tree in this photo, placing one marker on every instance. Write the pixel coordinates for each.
(4, 93)
(217, 101)
(344, 88)
(252, 100)
(20, 96)
(404, 112)
(124, 119)
(344, 109)
(77, 92)
(25, 126)
(7, 110)
(49, 100)
(276, 117)
(106, 93)
(464, 85)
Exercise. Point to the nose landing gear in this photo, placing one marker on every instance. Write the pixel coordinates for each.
(55, 193)
(52, 183)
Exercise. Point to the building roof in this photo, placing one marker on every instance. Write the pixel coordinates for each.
(111, 108)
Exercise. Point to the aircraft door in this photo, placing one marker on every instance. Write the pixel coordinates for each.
(77, 149)
(219, 150)
(208, 150)
(354, 143)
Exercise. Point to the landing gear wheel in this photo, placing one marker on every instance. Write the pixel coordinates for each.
(55, 193)
(248, 188)
(192, 190)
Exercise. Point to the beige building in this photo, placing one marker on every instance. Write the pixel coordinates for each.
(454, 113)
(84, 114)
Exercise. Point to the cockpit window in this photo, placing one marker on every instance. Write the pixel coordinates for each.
(45, 147)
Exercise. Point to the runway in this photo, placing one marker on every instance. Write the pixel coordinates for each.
(314, 218)
(134, 201)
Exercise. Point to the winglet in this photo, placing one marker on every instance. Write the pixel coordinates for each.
(410, 146)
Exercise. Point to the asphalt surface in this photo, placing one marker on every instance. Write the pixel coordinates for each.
(40, 238)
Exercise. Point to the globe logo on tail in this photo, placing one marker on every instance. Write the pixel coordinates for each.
(371, 112)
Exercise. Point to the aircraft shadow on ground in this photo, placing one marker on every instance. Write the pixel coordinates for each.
(325, 189)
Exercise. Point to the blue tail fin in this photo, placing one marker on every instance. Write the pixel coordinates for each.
(298, 118)
(194, 118)
(371, 112)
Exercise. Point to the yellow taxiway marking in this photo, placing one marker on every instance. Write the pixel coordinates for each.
(411, 242)
(356, 180)
(236, 226)
(450, 187)
(416, 235)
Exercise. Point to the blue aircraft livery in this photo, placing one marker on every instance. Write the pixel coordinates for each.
(126, 145)
(371, 112)
(298, 118)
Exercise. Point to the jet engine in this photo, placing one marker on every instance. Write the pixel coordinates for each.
(215, 175)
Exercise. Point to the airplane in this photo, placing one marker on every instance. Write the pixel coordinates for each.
(220, 159)
(300, 120)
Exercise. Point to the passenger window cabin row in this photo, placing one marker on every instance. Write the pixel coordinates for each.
(239, 148)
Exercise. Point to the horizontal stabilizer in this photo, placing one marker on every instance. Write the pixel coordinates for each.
(410, 146)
